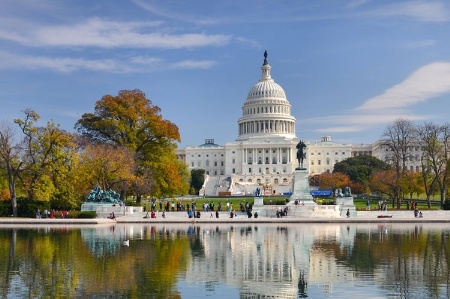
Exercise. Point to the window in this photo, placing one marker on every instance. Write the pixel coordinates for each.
(275, 181)
(249, 170)
(192, 164)
(234, 171)
(233, 161)
(221, 163)
(215, 163)
(285, 180)
(207, 163)
(318, 162)
(312, 162)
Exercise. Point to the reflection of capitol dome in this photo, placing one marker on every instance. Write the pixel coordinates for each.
(266, 110)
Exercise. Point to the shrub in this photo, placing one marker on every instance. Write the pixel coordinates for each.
(446, 205)
(82, 215)
(28, 208)
(5, 208)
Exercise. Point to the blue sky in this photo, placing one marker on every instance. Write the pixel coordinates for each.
(349, 68)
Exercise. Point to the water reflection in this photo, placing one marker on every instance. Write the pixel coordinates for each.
(246, 261)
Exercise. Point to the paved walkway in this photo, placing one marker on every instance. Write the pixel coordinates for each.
(435, 216)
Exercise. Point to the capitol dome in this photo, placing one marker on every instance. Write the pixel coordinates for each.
(266, 110)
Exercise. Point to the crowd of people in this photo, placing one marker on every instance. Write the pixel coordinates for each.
(51, 214)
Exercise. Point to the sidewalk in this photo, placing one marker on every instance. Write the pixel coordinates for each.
(435, 216)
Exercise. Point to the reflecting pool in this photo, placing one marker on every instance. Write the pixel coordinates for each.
(226, 261)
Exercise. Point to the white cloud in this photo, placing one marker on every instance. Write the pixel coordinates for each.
(192, 64)
(421, 44)
(135, 64)
(362, 121)
(424, 84)
(97, 32)
(427, 11)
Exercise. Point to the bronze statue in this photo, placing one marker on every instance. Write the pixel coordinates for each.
(265, 57)
(301, 153)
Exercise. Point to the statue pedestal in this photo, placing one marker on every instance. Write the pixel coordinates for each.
(258, 206)
(346, 203)
(104, 209)
(258, 201)
(301, 190)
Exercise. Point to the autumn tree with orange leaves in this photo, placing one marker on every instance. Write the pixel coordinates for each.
(131, 120)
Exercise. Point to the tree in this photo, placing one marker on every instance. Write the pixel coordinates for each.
(47, 152)
(435, 143)
(333, 180)
(360, 168)
(106, 165)
(10, 160)
(197, 179)
(412, 184)
(397, 138)
(129, 119)
(384, 182)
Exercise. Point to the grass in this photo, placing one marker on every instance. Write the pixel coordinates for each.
(360, 204)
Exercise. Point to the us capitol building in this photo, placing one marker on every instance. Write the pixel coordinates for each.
(264, 153)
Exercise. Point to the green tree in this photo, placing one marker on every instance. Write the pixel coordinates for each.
(360, 168)
(197, 179)
(47, 153)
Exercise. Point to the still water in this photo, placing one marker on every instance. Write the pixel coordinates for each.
(226, 261)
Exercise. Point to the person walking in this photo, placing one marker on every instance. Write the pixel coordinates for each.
(348, 213)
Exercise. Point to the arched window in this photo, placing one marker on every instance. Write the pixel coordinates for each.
(275, 181)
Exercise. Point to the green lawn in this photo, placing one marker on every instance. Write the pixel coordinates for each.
(235, 201)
